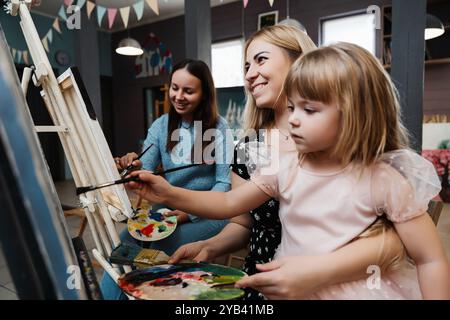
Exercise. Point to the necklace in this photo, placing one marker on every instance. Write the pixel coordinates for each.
(286, 137)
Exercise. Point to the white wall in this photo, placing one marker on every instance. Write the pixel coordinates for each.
(433, 134)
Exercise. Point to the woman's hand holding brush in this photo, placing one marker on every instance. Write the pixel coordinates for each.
(129, 159)
(150, 186)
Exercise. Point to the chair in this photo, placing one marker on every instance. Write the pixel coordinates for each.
(434, 210)
(83, 220)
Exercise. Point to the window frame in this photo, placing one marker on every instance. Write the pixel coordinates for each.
(377, 32)
(242, 42)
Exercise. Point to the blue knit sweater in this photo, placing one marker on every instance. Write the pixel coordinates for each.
(206, 177)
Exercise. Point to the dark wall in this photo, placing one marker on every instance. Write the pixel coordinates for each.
(128, 92)
(227, 24)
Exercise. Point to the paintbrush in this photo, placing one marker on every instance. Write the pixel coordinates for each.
(81, 190)
(131, 167)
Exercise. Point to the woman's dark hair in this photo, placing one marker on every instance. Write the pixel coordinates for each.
(206, 111)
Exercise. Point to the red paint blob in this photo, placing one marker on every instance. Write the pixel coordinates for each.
(148, 230)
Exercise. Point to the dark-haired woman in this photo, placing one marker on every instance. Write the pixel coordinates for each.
(192, 132)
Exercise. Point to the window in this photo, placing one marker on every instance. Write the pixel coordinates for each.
(227, 69)
(357, 28)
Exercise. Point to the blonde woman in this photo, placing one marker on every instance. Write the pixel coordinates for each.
(269, 54)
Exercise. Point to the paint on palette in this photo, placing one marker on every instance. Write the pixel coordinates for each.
(185, 281)
(151, 226)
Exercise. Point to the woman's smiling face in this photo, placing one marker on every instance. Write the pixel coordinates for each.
(266, 67)
(185, 92)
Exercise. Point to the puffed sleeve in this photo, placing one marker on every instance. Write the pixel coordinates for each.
(263, 167)
(403, 183)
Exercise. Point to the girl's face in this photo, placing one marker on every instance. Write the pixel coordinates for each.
(314, 126)
(266, 67)
(185, 92)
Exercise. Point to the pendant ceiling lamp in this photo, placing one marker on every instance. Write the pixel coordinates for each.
(434, 27)
(129, 47)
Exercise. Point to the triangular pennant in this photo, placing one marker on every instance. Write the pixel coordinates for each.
(56, 25)
(139, 8)
(90, 7)
(111, 16)
(19, 56)
(14, 53)
(125, 14)
(153, 4)
(100, 13)
(271, 2)
(62, 13)
(68, 2)
(45, 44)
(81, 3)
(25, 57)
(50, 35)
(245, 3)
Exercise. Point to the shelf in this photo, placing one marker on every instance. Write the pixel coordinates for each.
(427, 62)
(437, 61)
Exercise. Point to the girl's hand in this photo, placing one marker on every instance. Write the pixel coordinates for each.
(182, 216)
(128, 159)
(150, 187)
(197, 251)
(287, 278)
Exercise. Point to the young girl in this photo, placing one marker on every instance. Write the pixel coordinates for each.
(352, 166)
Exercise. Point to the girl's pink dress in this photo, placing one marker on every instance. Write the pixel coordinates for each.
(323, 212)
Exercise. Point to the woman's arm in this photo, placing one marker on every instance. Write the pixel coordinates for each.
(234, 236)
(206, 204)
(421, 240)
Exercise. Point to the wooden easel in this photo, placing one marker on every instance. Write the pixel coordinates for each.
(84, 144)
(165, 103)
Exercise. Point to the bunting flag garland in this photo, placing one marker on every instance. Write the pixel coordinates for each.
(100, 13)
(25, 57)
(45, 44)
(49, 35)
(56, 25)
(62, 13)
(153, 4)
(22, 56)
(81, 3)
(125, 14)
(90, 8)
(111, 16)
(139, 9)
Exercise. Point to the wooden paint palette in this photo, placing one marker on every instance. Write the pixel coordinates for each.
(151, 226)
(184, 281)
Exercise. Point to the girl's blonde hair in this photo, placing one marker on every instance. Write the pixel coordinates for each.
(351, 77)
(295, 42)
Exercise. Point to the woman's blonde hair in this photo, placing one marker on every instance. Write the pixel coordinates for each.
(351, 77)
(295, 42)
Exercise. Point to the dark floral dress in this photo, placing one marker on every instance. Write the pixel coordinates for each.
(266, 231)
